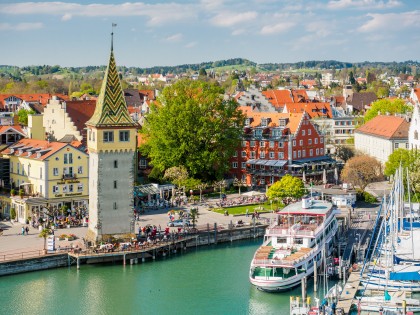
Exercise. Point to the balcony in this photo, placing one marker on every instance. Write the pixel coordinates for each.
(69, 176)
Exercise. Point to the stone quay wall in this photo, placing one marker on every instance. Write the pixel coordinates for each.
(33, 264)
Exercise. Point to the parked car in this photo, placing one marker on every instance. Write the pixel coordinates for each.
(179, 223)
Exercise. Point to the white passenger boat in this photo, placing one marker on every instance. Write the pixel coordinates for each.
(300, 235)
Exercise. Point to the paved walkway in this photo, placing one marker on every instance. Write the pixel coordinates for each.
(12, 241)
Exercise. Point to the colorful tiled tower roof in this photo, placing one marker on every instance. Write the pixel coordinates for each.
(111, 109)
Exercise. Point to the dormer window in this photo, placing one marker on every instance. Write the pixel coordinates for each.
(248, 121)
(38, 155)
(283, 122)
(20, 151)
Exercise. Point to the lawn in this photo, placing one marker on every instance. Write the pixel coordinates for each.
(264, 207)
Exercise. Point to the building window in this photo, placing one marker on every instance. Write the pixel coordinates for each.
(252, 143)
(108, 136)
(143, 163)
(271, 155)
(235, 164)
(90, 134)
(281, 155)
(301, 142)
(294, 154)
(29, 170)
(243, 153)
(407, 146)
(124, 136)
(243, 165)
(317, 151)
(309, 141)
(40, 172)
(311, 152)
(309, 132)
(316, 140)
(115, 184)
(70, 188)
(18, 167)
(115, 206)
(235, 154)
(80, 170)
(303, 153)
(294, 143)
(40, 190)
(56, 189)
(252, 154)
(271, 144)
(303, 132)
(115, 163)
(68, 158)
(321, 151)
(244, 143)
(79, 187)
(396, 145)
(55, 171)
(93, 135)
(11, 167)
(322, 140)
(262, 155)
(299, 154)
(262, 144)
(280, 144)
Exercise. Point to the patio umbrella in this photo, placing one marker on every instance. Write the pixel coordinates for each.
(324, 176)
(336, 175)
(304, 177)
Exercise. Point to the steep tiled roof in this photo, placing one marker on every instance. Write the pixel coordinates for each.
(41, 98)
(31, 148)
(80, 112)
(15, 128)
(389, 127)
(149, 93)
(132, 97)
(299, 96)
(278, 97)
(360, 100)
(293, 123)
(314, 110)
(111, 109)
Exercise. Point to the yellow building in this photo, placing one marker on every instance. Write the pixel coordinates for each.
(45, 176)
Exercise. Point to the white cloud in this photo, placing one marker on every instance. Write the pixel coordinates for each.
(66, 17)
(159, 13)
(363, 4)
(191, 45)
(238, 32)
(320, 28)
(226, 19)
(174, 38)
(20, 26)
(277, 28)
(391, 22)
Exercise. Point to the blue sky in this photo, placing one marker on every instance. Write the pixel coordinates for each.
(173, 32)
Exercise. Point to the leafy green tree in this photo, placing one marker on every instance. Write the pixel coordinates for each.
(202, 72)
(23, 116)
(288, 186)
(362, 170)
(397, 106)
(194, 214)
(402, 157)
(344, 152)
(192, 127)
(44, 234)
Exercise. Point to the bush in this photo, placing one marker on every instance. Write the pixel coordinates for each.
(365, 196)
(13, 192)
(13, 213)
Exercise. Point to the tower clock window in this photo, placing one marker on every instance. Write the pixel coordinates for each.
(108, 136)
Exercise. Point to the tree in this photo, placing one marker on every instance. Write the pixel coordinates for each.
(239, 183)
(397, 106)
(176, 174)
(194, 214)
(23, 116)
(193, 127)
(44, 234)
(344, 152)
(288, 186)
(400, 156)
(362, 170)
(202, 72)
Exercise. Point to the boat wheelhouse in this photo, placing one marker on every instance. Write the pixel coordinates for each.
(301, 234)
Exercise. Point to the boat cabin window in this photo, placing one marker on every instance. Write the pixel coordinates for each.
(281, 240)
(298, 240)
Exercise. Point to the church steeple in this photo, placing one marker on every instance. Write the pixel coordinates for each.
(111, 109)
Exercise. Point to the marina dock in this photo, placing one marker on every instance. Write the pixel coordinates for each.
(349, 291)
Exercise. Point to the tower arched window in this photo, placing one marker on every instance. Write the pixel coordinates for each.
(416, 135)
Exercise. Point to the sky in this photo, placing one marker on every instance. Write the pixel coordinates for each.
(174, 32)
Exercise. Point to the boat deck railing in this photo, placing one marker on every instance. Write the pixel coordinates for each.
(302, 254)
(286, 229)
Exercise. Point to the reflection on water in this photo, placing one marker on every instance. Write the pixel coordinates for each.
(208, 280)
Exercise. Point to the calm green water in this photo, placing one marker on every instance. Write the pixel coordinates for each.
(204, 281)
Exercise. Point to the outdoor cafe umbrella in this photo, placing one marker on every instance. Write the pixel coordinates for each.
(304, 177)
(324, 176)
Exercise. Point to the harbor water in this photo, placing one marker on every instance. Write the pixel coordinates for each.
(205, 280)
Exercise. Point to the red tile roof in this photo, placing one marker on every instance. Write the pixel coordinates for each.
(389, 127)
(44, 147)
(42, 98)
(314, 110)
(299, 96)
(80, 112)
(278, 97)
(16, 128)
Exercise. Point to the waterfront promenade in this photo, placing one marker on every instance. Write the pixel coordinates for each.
(14, 245)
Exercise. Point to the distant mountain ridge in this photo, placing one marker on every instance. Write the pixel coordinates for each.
(14, 71)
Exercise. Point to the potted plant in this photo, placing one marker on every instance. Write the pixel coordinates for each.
(21, 192)
(12, 191)
(62, 237)
(70, 237)
(44, 234)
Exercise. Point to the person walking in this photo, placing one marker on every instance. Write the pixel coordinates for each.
(23, 230)
(247, 212)
(27, 230)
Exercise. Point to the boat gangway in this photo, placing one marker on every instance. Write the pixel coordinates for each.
(133, 253)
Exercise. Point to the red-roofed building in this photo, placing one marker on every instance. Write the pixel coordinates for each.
(275, 144)
(380, 136)
(278, 97)
(13, 102)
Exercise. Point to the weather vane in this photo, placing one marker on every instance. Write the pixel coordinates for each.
(112, 36)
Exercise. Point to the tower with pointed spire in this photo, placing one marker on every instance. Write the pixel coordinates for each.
(112, 141)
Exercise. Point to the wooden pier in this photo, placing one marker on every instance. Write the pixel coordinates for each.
(346, 298)
(132, 254)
